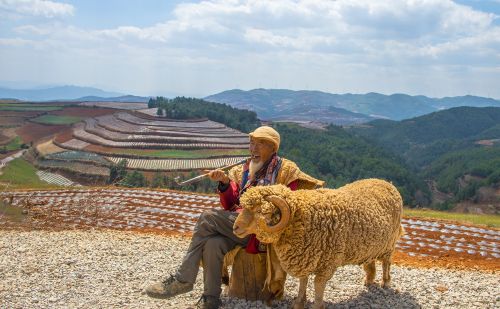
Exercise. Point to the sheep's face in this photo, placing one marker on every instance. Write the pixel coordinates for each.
(261, 215)
(245, 223)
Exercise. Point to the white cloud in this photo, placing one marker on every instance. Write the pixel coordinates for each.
(16, 42)
(42, 8)
(344, 44)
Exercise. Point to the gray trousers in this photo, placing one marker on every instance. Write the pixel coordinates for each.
(212, 238)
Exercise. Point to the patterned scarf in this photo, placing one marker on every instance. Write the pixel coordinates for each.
(264, 177)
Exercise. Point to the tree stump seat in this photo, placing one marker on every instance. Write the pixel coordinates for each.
(248, 275)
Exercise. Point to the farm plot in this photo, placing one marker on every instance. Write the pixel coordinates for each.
(170, 211)
(56, 179)
(74, 144)
(149, 111)
(176, 164)
(32, 132)
(56, 120)
(167, 153)
(115, 105)
(80, 133)
(84, 111)
(75, 167)
(28, 107)
(11, 121)
(111, 123)
(208, 124)
(78, 156)
(48, 147)
(434, 239)
(92, 126)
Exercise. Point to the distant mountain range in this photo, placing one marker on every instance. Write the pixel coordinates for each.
(68, 93)
(278, 104)
(124, 99)
(54, 93)
(282, 104)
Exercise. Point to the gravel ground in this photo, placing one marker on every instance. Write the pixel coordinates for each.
(109, 269)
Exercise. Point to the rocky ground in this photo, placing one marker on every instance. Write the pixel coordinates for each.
(109, 269)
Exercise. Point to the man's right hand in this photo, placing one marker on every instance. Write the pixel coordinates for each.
(217, 175)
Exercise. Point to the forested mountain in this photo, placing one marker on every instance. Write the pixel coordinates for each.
(420, 140)
(456, 149)
(340, 157)
(308, 105)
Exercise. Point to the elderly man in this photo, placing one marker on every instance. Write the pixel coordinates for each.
(213, 234)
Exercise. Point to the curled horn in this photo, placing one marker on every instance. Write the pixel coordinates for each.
(285, 214)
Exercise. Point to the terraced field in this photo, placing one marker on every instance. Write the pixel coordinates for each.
(150, 143)
(425, 241)
(79, 156)
(175, 164)
(55, 179)
(74, 167)
(56, 120)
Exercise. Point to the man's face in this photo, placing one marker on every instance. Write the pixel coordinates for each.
(261, 150)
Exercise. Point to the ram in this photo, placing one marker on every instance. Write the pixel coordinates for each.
(317, 231)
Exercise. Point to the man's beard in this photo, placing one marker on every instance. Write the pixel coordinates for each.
(254, 168)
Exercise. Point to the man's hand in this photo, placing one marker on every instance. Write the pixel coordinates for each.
(217, 175)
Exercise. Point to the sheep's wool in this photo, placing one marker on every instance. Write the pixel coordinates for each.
(355, 224)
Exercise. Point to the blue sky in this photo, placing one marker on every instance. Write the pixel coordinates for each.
(196, 48)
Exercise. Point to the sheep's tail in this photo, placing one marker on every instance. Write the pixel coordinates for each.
(401, 231)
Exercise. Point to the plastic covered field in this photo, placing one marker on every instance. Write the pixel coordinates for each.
(427, 241)
(80, 156)
(74, 166)
(176, 164)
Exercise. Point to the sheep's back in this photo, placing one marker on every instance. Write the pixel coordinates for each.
(350, 225)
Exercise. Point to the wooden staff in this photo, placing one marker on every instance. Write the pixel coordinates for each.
(200, 177)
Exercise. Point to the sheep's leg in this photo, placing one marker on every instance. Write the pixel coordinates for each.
(370, 272)
(319, 289)
(300, 301)
(386, 271)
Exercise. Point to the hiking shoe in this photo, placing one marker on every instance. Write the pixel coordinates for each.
(208, 302)
(169, 287)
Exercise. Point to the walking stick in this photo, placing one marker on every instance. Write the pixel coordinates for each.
(200, 177)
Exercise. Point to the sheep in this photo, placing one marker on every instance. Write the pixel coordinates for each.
(317, 231)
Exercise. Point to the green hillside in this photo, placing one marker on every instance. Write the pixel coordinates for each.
(339, 157)
(447, 147)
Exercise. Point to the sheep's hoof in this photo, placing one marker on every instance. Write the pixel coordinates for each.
(319, 306)
(371, 284)
(298, 304)
(386, 285)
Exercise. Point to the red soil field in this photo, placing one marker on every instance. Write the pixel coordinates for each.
(4, 139)
(35, 131)
(64, 136)
(24, 114)
(11, 121)
(426, 243)
(84, 112)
